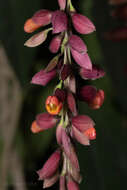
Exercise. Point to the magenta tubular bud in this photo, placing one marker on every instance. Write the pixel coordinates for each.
(116, 34)
(42, 17)
(62, 183)
(82, 122)
(93, 74)
(48, 182)
(77, 44)
(42, 77)
(80, 137)
(82, 59)
(65, 72)
(46, 121)
(55, 44)
(72, 185)
(59, 21)
(87, 93)
(71, 103)
(62, 4)
(50, 166)
(97, 100)
(60, 94)
(82, 24)
(69, 150)
(59, 134)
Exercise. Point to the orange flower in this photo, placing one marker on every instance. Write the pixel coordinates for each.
(53, 105)
(30, 26)
(90, 133)
(35, 128)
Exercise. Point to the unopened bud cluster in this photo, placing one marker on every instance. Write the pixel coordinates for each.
(119, 13)
(71, 60)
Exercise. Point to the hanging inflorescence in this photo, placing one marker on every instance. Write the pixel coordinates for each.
(61, 106)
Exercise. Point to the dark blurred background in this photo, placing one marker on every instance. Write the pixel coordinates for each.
(104, 163)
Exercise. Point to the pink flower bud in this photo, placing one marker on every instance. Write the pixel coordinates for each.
(62, 183)
(36, 39)
(120, 12)
(42, 77)
(87, 93)
(65, 71)
(71, 185)
(71, 103)
(82, 24)
(46, 121)
(62, 4)
(82, 59)
(60, 94)
(55, 44)
(80, 137)
(59, 21)
(42, 17)
(93, 74)
(117, 34)
(97, 100)
(82, 122)
(50, 166)
(48, 182)
(77, 44)
(117, 2)
(69, 150)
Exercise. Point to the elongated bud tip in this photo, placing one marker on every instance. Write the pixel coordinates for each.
(50, 166)
(30, 26)
(62, 4)
(90, 133)
(53, 105)
(35, 128)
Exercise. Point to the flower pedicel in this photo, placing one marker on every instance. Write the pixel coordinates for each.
(61, 106)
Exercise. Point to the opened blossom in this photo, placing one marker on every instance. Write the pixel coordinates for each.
(53, 105)
(71, 63)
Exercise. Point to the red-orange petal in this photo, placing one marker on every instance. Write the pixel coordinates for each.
(30, 26)
(35, 128)
(90, 133)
